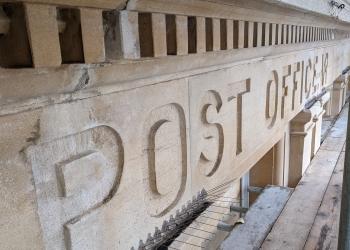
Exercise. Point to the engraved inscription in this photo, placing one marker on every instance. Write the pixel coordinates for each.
(317, 83)
(212, 134)
(286, 90)
(75, 176)
(297, 85)
(309, 78)
(272, 99)
(165, 150)
(300, 81)
(237, 90)
(324, 68)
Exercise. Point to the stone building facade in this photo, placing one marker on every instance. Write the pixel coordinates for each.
(115, 113)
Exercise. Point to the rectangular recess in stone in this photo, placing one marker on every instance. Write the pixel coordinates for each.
(223, 34)
(71, 38)
(112, 39)
(209, 34)
(246, 34)
(235, 34)
(192, 34)
(255, 34)
(267, 34)
(145, 34)
(263, 27)
(171, 34)
(15, 49)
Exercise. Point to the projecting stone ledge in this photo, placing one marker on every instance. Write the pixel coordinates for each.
(258, 220)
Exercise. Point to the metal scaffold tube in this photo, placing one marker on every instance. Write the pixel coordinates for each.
(344, 223)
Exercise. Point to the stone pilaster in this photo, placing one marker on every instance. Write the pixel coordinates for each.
(338, 95)
(301, 129)
(318, 110)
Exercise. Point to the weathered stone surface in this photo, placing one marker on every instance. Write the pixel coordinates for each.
(96, 156)
(93, 39)
(43, 34)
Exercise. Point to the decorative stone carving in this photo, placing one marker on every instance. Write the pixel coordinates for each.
(75, 176)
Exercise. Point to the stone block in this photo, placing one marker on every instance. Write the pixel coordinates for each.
(159, 35)
(200, 30)
(229, 33)
(93, 173)
(250, 34)
(181, 35)
(43, 35)
(92, 35)
(338, 95)
(215, 134)
(318, 112)
(129, 35)
(241, 35)
(216, 34)
(19, 220)
(305, 135)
